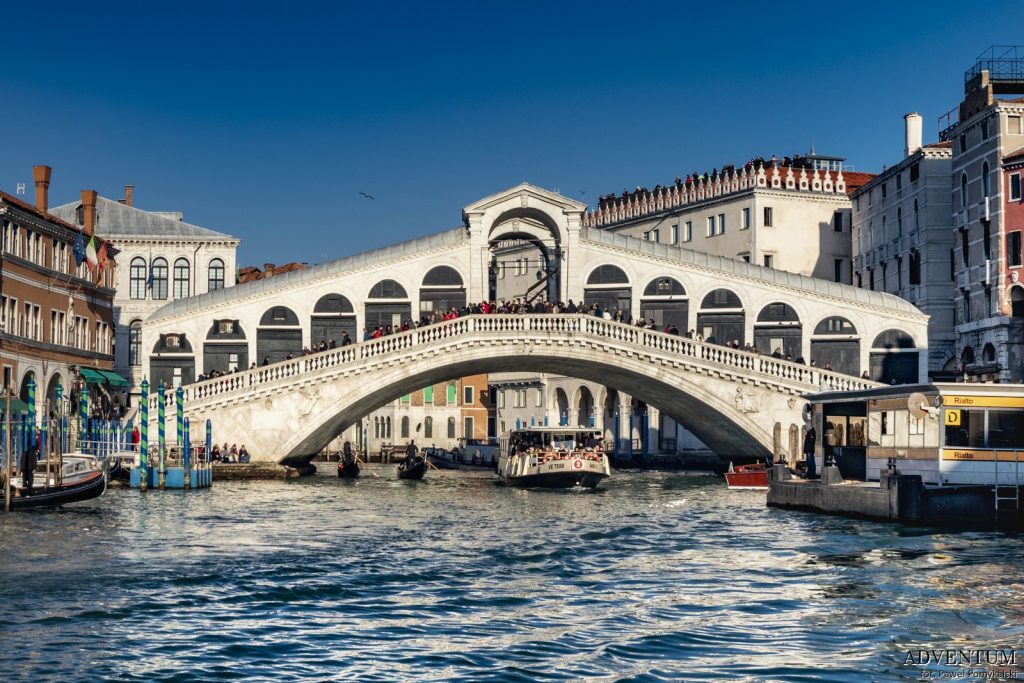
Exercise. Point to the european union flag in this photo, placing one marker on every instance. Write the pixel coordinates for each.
(149, 280)
(78, 249)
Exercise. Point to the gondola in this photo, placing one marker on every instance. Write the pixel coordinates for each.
(348, 470)
(415, 471)
(86, 488)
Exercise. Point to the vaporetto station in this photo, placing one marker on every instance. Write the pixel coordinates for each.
(738, 403)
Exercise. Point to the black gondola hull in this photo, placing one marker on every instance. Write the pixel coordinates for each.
(414, 471)
(349, 471)
(93, 487)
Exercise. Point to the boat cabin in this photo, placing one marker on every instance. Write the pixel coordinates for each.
(947, 433)
(551, 439)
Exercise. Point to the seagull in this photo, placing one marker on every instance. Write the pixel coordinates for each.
(367, 196)
(583, 191)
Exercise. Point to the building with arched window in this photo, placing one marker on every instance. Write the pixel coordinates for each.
(167, 259)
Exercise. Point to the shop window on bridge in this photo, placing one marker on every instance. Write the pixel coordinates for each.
(225, 348)
(778, 331)
(894, 358)
(388, 289)
(332, 316)
(388, 313)
(605, 288)
(607, 275)
(278, 335)
(665, 301)
(172, 361)
(834, 344)
(721, 319)
(442, 290)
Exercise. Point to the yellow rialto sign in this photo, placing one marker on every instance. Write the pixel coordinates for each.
(952, 418)
(975, 455)
(983, 401)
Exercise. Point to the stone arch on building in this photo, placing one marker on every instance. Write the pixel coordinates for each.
(722, 318)
(586, 407)
(559, 405)
(33, 375)
(609, 287)
(172, 361)
(225, 348)
(778, 331)
(443, 288)
(1016, 299)
(835, 344)
(55, 380)
(988, 354)
(278, 335)
(666, 302)
(333, 315)
(387, 305)
(894, 358)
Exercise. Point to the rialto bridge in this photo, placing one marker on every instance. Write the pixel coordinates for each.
(732, 400)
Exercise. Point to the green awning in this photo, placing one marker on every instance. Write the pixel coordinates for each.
(17, 405)
(114, 379)
(92, 376)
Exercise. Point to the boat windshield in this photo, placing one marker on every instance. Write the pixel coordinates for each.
(563, 443)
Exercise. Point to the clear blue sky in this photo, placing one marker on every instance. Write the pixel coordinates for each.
(265, 120)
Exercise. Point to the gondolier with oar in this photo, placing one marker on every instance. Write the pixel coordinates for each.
(29, 459)
(410, 454)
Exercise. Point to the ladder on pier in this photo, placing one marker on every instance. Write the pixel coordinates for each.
(1007, 494)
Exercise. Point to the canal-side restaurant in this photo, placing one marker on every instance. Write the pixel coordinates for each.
(932, 454)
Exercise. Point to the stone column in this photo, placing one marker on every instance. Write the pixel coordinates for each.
(653, 429)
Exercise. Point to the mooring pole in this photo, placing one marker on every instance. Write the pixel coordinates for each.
(144, 436)
(161, 410)
(186, 453)
(8, 470)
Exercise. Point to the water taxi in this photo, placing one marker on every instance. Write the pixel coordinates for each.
(553, 457)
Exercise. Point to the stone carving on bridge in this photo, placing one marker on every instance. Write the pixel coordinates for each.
(746, 402)
(309, 399)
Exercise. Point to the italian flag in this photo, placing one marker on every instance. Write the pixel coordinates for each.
(90, 254)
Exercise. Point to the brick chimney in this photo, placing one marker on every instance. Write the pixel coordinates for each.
(89, 211)
(129, 192)
(42, 178)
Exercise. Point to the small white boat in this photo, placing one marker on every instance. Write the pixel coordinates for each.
(553, 457)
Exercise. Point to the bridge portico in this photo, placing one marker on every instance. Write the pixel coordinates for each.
(721, 299)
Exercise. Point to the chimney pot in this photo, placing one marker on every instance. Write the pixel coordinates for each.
(89, 211)
(41, 174)
(912, 133)
(129, 193)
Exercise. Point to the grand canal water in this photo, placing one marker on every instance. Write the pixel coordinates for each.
(657, 577)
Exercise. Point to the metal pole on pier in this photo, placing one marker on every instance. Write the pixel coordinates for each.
(161, 417)
(144, 436)
(83, 417)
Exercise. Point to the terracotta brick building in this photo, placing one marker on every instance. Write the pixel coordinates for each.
(57, 317)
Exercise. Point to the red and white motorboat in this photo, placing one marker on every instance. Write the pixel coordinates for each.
(754, 477)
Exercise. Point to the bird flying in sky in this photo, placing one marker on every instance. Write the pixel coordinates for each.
(366, 196)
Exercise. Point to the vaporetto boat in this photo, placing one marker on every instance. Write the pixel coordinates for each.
(553, 457)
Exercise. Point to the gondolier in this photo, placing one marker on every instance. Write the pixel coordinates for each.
(29, 460)
(410, 454)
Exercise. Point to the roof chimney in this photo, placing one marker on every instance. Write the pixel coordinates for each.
(42, 178)
(89, 211)
(912, 133)
(129, 192)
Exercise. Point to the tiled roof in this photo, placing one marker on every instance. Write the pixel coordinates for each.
(52, 216)
(1014, 157)
(940, 144)
(115, 219)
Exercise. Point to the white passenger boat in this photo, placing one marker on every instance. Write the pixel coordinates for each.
(553, 457)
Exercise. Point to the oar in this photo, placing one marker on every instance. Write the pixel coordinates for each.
(430, 464)
(367, 469)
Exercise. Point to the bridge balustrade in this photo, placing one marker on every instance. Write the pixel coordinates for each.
(812, 379)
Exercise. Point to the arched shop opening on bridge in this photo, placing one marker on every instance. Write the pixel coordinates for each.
(387, 304)
(333, 314)
(442, 289)
(173, 362)
(278, 335)
(721, 318)
(778, 329)
(666, 303)
(835, 344)
(608, 287)
(225, 348)
(894, 358)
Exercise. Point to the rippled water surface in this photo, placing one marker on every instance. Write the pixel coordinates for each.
(656, 577)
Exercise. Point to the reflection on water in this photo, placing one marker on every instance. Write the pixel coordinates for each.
(655, 576)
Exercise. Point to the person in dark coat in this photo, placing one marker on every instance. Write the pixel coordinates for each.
(347, 456)
(29, 459)
(809, 438)
(411, 454)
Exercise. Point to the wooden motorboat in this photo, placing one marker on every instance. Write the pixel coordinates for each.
(348, 470)
(753, 477)
(441, 459)
(79, 488)
(553, 457)
(415, 470)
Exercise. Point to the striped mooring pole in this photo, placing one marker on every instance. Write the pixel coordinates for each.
(161, 426)
(144, 436)
(59, 413)
(32, 412)
(179, 405)
(186, 453)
